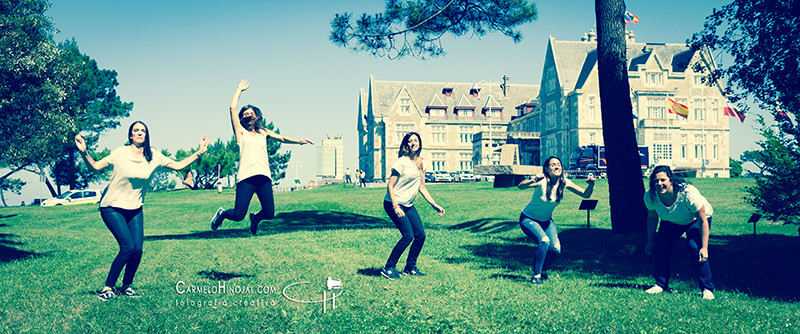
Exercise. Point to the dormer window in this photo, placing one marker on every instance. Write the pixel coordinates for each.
(436, 111)
(465, 112)
(493, 113)
(474, 92)
(448, 92)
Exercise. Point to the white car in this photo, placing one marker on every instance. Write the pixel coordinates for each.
(74, 197)
(465, 176)
(442, 176)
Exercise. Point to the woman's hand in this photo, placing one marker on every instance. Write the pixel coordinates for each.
(590, 179)
(80, 143)
(399, 211)
(648, 248)
(243, 85)
(438, 209)
(703, 253)
(203, 145)
(304, 141)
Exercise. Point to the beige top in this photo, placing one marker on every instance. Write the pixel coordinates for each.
(408, 183)
(253, 156)
(130, 178)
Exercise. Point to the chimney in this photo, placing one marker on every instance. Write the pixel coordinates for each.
(592, 36)
(506, 82)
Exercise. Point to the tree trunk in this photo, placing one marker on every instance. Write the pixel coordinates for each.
(626, 191)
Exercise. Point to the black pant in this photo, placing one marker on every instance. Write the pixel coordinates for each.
(127, 226)
(668, 234)
(259, 185)
(411, 229)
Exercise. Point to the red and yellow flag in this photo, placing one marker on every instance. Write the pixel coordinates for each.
(678, 109)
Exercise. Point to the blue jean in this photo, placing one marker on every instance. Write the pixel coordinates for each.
(667, 234)
(538, 230)
(411, 229)
(127, 226)
(262, 187)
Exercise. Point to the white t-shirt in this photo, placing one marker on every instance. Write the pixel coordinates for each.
(682, 212)
(253, 156)
(407, 185)
(540, 208)
(130, 178)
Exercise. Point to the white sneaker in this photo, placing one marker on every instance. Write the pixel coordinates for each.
(708, 295)
(655, 289)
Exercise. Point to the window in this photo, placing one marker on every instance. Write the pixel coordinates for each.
(465, 112)
(715, 142)
(437, 159)
(697, 80)
(592, 108)
(656, 107)
(662, 137)
(699, 107)
(550, 120)
(405, 106)
(438, 134)
(715, 111)
(550, 81)
(436, 112)
(683, 146)
(447, 92)
(402, 129)
(653, 78)
(493, 113)
(465, 161)
(591, 138)
(698, 147)
(662, 151)
(465, 133)
(474, 92)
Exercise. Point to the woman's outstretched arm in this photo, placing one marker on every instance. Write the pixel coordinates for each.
(237, 127)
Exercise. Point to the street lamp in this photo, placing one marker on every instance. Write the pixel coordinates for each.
(489, 114)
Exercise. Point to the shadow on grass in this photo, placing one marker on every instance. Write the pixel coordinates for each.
(486, 225)
(374, 272)
(287, 222)
(8, 250)
(220, 276)
(766, 266)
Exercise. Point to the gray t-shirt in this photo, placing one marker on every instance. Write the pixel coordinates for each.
(407, 185)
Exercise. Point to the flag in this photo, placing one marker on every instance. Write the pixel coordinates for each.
(731, 110)
(678, 109)
(782, 116)
(629, 17)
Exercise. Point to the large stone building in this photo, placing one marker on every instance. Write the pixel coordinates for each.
(569, 104)
(446, 115)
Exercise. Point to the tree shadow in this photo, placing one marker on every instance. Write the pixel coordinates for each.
(220, 276)
(486, 225)
(288, 222)
(374, 272)
(8, 247)
(766, 266)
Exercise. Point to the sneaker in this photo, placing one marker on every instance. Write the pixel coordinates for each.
(708, 295)
(216, 222)
(537, 279)
(128, 291)
(253, 224)
(413, 272)
(545, 277)
(106, 294)
(390, 273)
(654, 290)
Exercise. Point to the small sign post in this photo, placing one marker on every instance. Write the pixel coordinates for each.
(754, 219)
(588, 205)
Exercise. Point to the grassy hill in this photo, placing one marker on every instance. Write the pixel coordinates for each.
(54, 259)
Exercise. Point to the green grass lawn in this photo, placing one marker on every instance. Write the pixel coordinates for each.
(54, 259)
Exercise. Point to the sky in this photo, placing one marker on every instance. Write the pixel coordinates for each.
(179, 62)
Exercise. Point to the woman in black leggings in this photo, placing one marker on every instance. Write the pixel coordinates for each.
(254, 174)
(121, 205)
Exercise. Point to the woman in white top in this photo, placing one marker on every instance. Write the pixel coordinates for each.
(682, 209)
(536, 219)
(406, 180)
(121, 204)
(254, 176)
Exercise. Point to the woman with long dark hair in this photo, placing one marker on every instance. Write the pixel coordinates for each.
(254, 176)
(536, 218)
(681, 209)
(404, 183)
(133, 167)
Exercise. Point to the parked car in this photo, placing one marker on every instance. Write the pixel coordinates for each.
(428, 176)
(442, 176)
(465, 176)
(74, 197)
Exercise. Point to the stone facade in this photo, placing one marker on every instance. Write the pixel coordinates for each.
(569, 104)
(446, 115)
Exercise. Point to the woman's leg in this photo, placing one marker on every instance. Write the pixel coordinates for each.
(667, 234)
(533, 230)
(264, 193)
(117, 224)
(702, 269)
(419, 237)
(406, 232)
(136, 230)
(555, 246)
(244, 193)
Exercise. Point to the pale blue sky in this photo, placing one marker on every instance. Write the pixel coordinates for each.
(180, 61)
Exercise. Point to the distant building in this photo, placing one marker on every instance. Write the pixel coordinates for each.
(568, 114)
(330, 158)
(446, 115)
